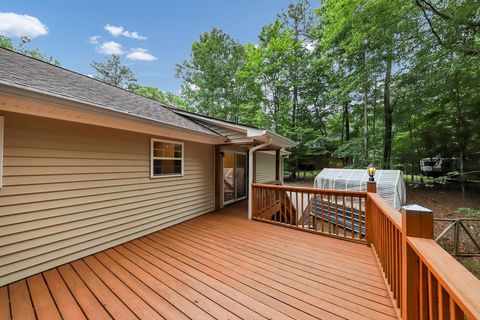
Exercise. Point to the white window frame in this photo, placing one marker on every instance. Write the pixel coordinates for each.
(2, 131)
(152, 141)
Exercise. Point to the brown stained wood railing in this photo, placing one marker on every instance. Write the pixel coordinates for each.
(446, 289)
(385, 237)
(334, 213)
(424, 280)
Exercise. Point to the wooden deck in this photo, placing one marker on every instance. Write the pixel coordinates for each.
(217, 266)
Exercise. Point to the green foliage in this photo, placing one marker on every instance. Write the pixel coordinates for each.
(163, 97)
(112, 71)
(211, 81)
(36, 53)
(469, 212)
(352, 80)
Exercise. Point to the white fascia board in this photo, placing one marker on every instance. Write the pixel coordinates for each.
(277, 139)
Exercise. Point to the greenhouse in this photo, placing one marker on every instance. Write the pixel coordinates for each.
(349, 216)
(390, 183)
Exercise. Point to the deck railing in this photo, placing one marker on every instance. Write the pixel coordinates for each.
(330, 212)
(385, 236)
(425, 281)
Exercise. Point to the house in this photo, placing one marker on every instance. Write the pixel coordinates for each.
(86, 165)
(106, 204)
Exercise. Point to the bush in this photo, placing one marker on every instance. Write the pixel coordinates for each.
(471, 213)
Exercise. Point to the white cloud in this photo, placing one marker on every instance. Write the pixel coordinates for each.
(140, 54)
(110, 47)
(17, 25)
(120, 31)
(94, 39)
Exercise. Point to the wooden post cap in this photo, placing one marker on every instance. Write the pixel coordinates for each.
(417, 221)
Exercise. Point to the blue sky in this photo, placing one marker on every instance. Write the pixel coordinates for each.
(169, 27)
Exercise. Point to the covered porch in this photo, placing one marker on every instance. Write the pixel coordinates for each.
(217, 266)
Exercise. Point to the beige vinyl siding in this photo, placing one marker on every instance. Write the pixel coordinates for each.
(70, 190)
(265, 166)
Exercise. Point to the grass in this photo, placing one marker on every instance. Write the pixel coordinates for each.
(472, 264)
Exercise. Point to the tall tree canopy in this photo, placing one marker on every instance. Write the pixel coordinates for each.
(112, 71)
(352, 80)
(20, 47)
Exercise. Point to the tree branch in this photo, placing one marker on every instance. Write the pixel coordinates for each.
(430, 7)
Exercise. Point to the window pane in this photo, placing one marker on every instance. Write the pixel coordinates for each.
(166, 167)
(167, 150)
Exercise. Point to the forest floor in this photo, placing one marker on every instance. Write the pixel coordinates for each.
(444, 201)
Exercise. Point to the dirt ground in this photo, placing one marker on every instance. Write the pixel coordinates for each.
(444, 201)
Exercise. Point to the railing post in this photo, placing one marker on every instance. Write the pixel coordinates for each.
(416, 222)
(371, 188)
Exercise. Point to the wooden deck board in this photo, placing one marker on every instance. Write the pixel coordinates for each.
(217, 266)
(255, 266)
(43, 303)
(4, 304)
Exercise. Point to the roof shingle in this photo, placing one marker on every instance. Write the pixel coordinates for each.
(32, 74)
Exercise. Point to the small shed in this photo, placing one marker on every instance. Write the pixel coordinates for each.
(390, 183)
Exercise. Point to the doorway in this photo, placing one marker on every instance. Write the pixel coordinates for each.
(234, 177)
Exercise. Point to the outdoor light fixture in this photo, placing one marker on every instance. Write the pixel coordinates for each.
(371, 171)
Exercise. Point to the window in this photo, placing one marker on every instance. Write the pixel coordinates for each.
(166, 158)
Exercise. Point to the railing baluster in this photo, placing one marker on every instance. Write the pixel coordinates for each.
(432, 297)
(323, 218)
(360, 218)
(352, 221)
(303, 211)
(344, 217)
(455, 312)
(336, 214)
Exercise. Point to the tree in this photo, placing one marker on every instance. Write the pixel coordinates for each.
(299, 20)
(210, 81)
(115, 73)
(268, 63)
(36, 53)
(359, 81)
(163, 97)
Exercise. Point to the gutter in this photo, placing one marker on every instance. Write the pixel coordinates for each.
(23, 91)
(250, 174)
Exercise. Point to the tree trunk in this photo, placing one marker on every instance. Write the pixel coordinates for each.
(462, 135)
(295, 106)
(347, 122)
(388, 110)
(375, 119)
(365, 116)
(346, 128)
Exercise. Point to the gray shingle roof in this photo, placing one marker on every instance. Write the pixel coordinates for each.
(32, 74)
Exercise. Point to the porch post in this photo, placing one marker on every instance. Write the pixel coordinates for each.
(277, 165)
(251, 172)
(416, 222)
(371, 188)
(217, 176)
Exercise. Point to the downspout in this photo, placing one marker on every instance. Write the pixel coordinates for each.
(285, 156)
(250, 173)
